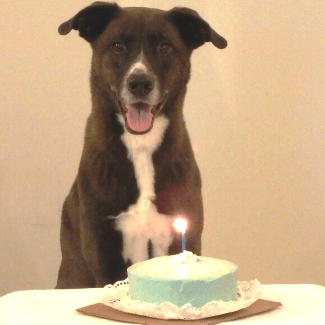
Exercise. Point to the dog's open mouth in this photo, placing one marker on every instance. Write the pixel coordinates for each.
(139, 117)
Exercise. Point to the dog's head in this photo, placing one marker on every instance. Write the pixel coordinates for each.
(141, 56)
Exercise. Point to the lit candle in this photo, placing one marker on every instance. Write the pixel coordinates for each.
(180, 224)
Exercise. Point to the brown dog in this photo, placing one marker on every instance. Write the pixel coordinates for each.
(137, 170)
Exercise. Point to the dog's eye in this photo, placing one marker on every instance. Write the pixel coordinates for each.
(165, 48)
(118, 47)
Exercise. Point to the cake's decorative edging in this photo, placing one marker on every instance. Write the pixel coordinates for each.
(117, 297)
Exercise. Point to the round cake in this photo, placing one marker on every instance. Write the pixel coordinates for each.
(183, 279)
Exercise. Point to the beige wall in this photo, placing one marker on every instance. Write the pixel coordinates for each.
(255, 113)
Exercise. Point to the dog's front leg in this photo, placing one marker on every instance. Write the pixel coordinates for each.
(101, 246)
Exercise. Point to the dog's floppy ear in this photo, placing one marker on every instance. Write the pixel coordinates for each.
(193, 29)
(91, 21)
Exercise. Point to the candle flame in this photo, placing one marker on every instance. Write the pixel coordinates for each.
(180, 224)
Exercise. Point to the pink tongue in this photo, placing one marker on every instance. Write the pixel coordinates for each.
(139, 119)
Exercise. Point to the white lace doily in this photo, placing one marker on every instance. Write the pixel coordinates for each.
(117, 297)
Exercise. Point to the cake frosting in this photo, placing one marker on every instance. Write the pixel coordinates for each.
(183, 279)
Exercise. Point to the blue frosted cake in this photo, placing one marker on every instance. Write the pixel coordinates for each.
(183, 279)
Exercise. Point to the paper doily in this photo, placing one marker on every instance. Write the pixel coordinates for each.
(117, 297)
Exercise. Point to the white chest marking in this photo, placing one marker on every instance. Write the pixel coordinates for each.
(142, 222)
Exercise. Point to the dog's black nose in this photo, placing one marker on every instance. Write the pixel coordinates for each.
(140, 85)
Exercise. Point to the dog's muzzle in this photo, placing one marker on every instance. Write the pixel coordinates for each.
(137, 109)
